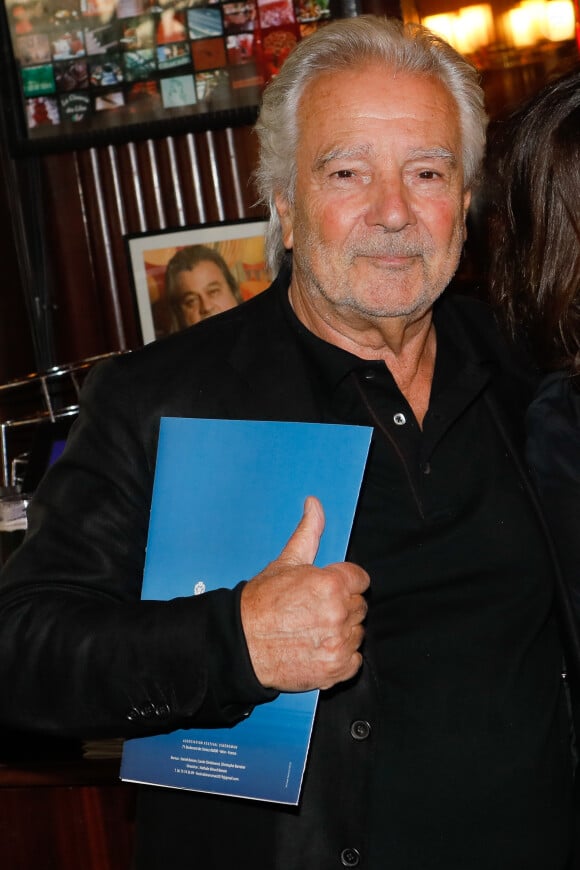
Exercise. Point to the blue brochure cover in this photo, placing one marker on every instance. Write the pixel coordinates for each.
(227, 496)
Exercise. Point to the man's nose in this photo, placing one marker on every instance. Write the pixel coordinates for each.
(390, 204)
(204, 304)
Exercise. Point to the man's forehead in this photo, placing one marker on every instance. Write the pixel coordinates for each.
(328, 81)
(351, 113)
(346, 91)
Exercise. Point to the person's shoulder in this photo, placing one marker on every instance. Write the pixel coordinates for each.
(210, 339)
(557, 398)
(553, 432)
(475, 312)
(202, 361)
(482, 325)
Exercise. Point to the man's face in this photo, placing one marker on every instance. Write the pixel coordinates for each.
(202, 292)
(378, 220)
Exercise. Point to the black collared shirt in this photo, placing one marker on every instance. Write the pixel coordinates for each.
(472, 764)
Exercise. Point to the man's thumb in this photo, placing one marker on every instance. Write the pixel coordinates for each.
(302, 547)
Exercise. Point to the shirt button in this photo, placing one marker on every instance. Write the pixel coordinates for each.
(350, 857)
(369, 375)
(360, 730)
(399, 419)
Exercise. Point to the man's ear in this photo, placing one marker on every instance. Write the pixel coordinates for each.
(286, 215)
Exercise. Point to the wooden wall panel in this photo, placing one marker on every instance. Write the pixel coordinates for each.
(67, 828)
(16, 345)
(93, 198)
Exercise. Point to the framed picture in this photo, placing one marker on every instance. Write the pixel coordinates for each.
(78, 73)
(183, 276)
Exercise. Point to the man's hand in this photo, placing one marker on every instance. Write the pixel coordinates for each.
(303, 625)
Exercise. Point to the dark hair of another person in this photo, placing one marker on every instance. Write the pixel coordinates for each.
(185, 260)
(534, 220)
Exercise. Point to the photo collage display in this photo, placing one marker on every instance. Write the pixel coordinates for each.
(93, 64)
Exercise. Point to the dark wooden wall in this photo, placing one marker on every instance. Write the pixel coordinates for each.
(73, 280)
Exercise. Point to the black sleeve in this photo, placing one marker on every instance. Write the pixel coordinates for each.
(80, 653)
(553, 455)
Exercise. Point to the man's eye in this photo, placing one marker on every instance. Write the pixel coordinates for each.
(429, 173)
(343, 173)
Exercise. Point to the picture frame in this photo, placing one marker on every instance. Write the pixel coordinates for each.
(81, 73)
(168, 303)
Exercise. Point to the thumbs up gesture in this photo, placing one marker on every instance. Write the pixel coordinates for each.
(303, 625)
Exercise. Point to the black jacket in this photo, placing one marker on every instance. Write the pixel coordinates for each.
(81, 655)
(553, 457)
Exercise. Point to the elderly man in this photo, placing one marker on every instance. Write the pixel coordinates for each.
(441, 737)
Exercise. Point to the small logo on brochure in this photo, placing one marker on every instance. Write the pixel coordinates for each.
(199, 588)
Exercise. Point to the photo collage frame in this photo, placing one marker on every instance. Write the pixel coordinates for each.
(86, 67)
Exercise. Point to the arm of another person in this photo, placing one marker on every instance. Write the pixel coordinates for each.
(553, 455)
(81, 654)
